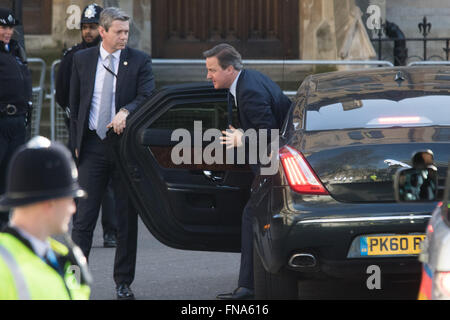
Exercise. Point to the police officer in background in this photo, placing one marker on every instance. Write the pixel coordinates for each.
(90, 38)
(15, 96)
(41, 185)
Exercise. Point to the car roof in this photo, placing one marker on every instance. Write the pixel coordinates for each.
(371, 82)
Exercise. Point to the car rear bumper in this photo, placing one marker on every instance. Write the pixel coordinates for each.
(318, 243)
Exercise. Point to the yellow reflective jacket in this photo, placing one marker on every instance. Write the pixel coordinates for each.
(25, 276)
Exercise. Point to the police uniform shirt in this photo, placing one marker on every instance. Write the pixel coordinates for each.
(39, 247)
(99, 78)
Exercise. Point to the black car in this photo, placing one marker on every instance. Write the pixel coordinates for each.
(330, 209)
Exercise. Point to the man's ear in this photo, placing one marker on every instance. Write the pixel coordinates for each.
(230, 68)
(101, 31)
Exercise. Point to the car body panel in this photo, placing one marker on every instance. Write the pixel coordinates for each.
(185, 209)
(356, 166)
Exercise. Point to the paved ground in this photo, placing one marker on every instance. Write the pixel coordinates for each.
(164, 273)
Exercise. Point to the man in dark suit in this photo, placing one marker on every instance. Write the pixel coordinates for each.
(108, 82)
(90, 38)
(261, 106)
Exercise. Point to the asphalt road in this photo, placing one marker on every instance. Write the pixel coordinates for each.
(164, 273)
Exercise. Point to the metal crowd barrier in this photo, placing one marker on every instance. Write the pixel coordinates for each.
(428, 63)
(58, 130)
(38, 96)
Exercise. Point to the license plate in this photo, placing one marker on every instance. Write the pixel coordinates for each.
(391, 245)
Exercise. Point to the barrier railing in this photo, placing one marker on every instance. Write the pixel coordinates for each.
(428, 63)
(58, 128)
(38, 95)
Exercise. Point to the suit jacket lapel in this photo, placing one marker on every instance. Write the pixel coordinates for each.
(121, 74)
(238, 84)
(91, 71)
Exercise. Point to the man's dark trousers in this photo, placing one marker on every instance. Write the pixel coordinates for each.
(96, 167)
(261, 105)
(246, 278)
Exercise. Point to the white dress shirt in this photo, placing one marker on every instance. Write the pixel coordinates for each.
(99, 78)
(233, 87)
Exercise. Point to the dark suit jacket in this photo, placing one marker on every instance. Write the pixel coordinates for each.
(62, 87)
(134, 86)
(261, 105)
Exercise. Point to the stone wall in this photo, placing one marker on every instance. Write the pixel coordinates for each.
(407, 14)
(329, 29)
(333, 30)
(65, 15)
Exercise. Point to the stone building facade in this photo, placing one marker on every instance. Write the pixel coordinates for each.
(322, 29)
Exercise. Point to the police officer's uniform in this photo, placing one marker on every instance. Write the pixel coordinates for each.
(15, 99)
(90, 14)
(40, 171)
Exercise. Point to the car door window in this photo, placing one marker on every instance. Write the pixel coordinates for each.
(191, 205)
(211, 115)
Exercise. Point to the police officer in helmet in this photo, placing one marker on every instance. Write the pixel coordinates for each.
(41, 185)
(15, 96)
(90, 38)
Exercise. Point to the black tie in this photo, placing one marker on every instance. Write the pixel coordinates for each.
(230, 108)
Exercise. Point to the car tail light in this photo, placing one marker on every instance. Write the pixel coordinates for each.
(300, 176)
(408, 120)
(443, 281)
(398, 120)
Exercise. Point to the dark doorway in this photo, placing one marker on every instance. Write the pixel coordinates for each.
(257, 28)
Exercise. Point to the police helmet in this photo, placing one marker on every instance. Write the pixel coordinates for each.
(91, 14)
(7, 18)
(40, 170)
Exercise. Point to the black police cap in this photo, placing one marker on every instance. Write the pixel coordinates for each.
(91, 14)
(40, 170)
(7, 18)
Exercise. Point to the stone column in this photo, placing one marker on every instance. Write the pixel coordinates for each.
(333, 30)
(351, 36)
(317, 30)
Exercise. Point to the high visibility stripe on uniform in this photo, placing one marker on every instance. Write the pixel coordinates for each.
(21, 286)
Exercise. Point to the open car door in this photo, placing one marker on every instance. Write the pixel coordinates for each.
(185, 206)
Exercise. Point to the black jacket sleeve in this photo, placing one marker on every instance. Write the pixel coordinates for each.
(63, 81)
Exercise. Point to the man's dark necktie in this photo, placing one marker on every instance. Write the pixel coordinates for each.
(231, 104)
